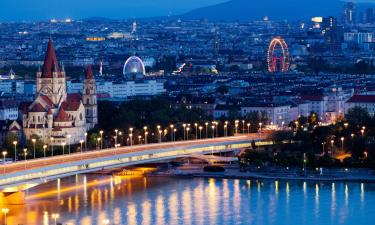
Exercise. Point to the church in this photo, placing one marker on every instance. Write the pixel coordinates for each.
(55, 116)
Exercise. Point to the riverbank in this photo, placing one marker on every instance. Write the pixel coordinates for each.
(332, 175)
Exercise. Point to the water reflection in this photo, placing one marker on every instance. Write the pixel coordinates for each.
(92, 199)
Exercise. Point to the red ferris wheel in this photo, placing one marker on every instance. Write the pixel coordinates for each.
(278, 57)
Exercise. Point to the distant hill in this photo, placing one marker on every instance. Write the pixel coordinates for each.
(278, 10)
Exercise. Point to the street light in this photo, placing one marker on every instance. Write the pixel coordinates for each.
(85, 141)
(51, 139)
(131, 139)
(243, 126)
(25, 154)
(332, 142)
(248, 128)
(184, 126)
(160, 131)
(4, 155)
(5, 211)
(196, 131)
(116, 131)
(346, 125)
(63, 147)
(206, 123)
(146, 133)
(69, 136)
(200, 132)
(81, 142)
(236, 126)
(101, 139)
(342, 143)
(34, 141)
(260, 128)
(213, 131)
(44, 150)
(55, 216)
(187, 130)
(172, 131)
(139, 139)
(15, 150)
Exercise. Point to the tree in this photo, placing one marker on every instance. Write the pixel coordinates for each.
(223, 89)
(278, 137)
(358, 117)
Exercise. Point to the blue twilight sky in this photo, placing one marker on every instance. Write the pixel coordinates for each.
(18, 10)
(45, 9)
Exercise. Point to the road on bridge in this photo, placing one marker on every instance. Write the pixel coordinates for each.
(20, 166)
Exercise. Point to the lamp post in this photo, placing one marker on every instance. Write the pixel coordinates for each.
(5, 211)
(184, 126)
(332, 142)
(226, 128)
(213, 131)
(63, 147)
(116, 132)
(44, 150)
(187, 130)
(260, 128)
(172, 131)
(34, 141)
(200, 132)
(131, 139)
(216, 127)
(323, 144)
(69, 136)
(101, 139)
(25, 154)
(15, 150)
(55, 216)
(342, 143)
(206, 124)
(145, 129)
(160, 131)
(85, 141)
(146, 135)
(236, 126)
(51, 139)
(248, 128)
(139, 139)
(81, 142)
(243, 126)
(196, 130)
(4, 155)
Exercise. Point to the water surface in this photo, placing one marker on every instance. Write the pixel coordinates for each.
(91, 199)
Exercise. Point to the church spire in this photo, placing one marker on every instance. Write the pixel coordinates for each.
(89, 74)
(50, 62)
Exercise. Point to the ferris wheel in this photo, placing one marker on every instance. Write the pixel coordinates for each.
(278, 57)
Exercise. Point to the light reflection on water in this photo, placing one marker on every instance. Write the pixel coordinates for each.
(90, 199)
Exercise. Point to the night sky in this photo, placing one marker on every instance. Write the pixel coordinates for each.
(31, 10)
(77, 9)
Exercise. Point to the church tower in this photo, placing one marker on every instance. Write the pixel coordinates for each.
(89, 99)
(51, 79)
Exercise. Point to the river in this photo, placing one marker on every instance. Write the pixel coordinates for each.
(98, 199)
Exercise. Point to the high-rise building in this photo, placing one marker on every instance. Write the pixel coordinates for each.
(349, 13)
(369, 17)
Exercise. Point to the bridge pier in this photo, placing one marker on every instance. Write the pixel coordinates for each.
(12, 198)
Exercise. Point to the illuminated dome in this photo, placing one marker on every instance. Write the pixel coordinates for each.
(134, 65)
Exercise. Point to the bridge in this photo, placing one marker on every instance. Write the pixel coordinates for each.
(22, 175)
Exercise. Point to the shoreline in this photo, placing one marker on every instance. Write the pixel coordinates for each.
(258, 175)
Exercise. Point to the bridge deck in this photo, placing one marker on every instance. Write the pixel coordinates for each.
(65, 165)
